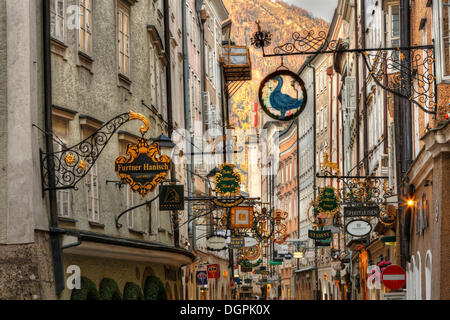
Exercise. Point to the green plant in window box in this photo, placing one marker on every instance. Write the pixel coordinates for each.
(132, 291)
(154, 289)
(88, 291)
(109, 290)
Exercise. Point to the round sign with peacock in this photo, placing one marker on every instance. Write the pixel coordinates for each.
(282, 95)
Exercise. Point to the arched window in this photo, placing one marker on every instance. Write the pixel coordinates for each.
(411, 280)
(428, 275)
(418, 277)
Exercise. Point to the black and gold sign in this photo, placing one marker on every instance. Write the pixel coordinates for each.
(319, 234)
(171, 197)
(143, 166)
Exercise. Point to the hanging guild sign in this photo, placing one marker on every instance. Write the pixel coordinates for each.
(216, 243)
(143, 166)
(237, 242)
(251, 253)
(241, 217)
(360, 211)
(171, 197)
(322, 243)
(358, 228)
(202, 278)
(213, 271)
(328, 201)
(228, 181)
(319, 234)
(282, 95)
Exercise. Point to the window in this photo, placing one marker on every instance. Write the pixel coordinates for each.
(325, 117)
(57, 19)
(393, 29)
(63, 196)
(129, 204)
(428, 265)
(124, 39)
(442, 34)
(418, 275)
(93, 203)
(206, 53)
(85, 35)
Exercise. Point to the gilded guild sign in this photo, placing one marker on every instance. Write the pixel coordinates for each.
(143, 167)
(228, 181)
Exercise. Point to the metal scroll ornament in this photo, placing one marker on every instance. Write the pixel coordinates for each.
(68, 166)
(280, 229)
(143, 167)
(282, 95)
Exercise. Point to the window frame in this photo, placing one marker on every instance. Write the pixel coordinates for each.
(85, 28)
(91, 191)
(437, 32)
(55, 12)
(389, 31)
(59, 193)
(125, 9)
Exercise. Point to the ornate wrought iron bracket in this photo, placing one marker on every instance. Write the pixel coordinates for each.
(70, 165)
(361, 189)
(119, 225)
(406, 72)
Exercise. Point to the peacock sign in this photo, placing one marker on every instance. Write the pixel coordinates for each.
(282, 95)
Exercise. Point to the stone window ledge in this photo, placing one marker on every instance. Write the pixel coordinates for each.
(124, 82)
(138, 232)
(58, 47)
(96, 224)
(67, 219)
(85, 61)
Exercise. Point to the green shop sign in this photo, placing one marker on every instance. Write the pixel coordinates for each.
(328, 201)
(228, 181)
(319, 234)
(275, 263)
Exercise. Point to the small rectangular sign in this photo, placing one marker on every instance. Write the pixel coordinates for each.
(319, 243)
(372, 211)
(394, 296)
(237, 242)
(171, 197)
(246, 269)
(213, 271)
(319, 234)
(202, 278)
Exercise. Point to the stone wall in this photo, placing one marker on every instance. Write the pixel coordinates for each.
(26, 271)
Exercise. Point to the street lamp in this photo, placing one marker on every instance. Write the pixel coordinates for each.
(165, 143)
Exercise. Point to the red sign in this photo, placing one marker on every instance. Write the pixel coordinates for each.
(393, 277)
(213, 271)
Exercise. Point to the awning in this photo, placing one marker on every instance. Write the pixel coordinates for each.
(305, 269)
(104, 246)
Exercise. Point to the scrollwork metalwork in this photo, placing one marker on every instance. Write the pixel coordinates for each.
(406, 72)
(70, 165)
(413, 81)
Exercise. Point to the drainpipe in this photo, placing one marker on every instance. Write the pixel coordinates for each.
(315, 170)
(55, 243)
(176, 231)
(358, 99)
(187, 118)
(405, 128)
(364, 89)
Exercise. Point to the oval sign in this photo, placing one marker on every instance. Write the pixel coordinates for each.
(250, 242)
(358, 228)
(216, 243)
